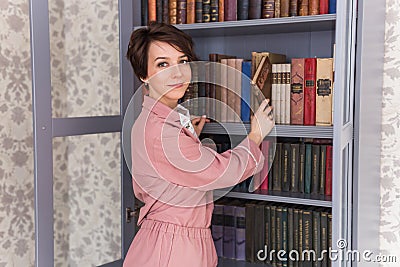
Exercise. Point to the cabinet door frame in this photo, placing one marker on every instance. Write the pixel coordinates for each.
(45, 128)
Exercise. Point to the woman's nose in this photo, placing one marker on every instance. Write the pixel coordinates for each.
(177, 71)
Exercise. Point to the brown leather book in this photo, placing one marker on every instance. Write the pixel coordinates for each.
(230, 10)
(190, 11)
(173, 4)
(277, 13)
(268, 9)
(181, 12)
(231, 89)
(293, 7)
(303, 7)
(152, 7)
(206, 10)
(284, 8)
(214, 12)
(165, 11)
(263, 72)
(221, 7)
(313, 7)
(297, 92)
(159, 10)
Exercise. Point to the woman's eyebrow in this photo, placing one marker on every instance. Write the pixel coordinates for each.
(168, 57)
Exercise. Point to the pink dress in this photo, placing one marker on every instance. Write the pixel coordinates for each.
(175, 175)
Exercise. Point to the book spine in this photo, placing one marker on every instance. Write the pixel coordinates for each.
(303, 7)
(293, 8)
(316, 151)
(316, 236)
(324, 238)
(206, 10)
(250, 230)
(277, 11)
(190, 12)
(173, 5)
(328, 171)
(290, 235)
(165, 11)
(277, 110)
(307, 236)
(145, 12)
(287, 94)
(274, 88)
(268, 9)
(259, 234)
(199, 11)
(221, 10)
(297, 92)
(283, 94)
(284, 8)
(240, 248)
(309, 91)
(267, 220)
(231, 90)
(296, 234)
(286, 167)
(224, 90)
(159, 11)
(294, 178)
(245, 100)
(271, 156)
(181, 12)
(285, 236)
(277, 184)
(313, 7)
(254, 9)
(329, 235)
(302, 158)
(307, 169)
(301, 236)
(229, 238)
(332, 7)
(278, 225)
(214, 11)
(237, 88)
(152, 9)
(264, 172)
(243, 9)
(230, 12)
(323, 101)
(322, 170)
(273, 234)
(323, 7)
(217, 229)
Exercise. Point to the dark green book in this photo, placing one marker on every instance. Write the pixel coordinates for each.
(294, 164)
(286, 160)
(316, 246)
(316, 151)
(307, 169)
(291, 235)
(259, 233)
(322, 167)
(277, 168)
(300, 246)
(302, 158)
(267, 221)
(296, 235)
(307, 237)
(250, 231)
(285, 235)
(273, 233)
(324, 238)
(278, 232)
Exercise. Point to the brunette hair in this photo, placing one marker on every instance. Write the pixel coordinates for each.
(141, 39)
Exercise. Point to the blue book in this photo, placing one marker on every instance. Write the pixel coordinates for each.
(246, 90)
(332, 7)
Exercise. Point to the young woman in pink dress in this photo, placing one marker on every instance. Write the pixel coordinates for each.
(173, 174)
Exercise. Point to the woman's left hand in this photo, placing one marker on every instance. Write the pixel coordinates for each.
(198, 124)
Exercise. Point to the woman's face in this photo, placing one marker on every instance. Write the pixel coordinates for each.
(168, 74)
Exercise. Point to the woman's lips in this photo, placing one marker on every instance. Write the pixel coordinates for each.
(176, 85)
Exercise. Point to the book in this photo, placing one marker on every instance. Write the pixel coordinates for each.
(262, 73)
(229, 238)
(165, 11)
(230, 10)
(159, 10)
(217, 228)
(190, 11)
(246, 92)
(173, 5)
(297, 92)
(290, 234)
(268, 237)
(307, 169)
(243, 9)
(303, 7)
(316, 152)
(293, 7)
(294, 164)
(322, 170)
(302, 158)
(285, 236)
(332, 7)
(316, 236)
(259, 234)
(313, 7)
(274, 89)
(144, 12)
(309, 90)
(278, 102)
(265, 144)
(323, 7)
(277, 13)
(323, 101)
(307, 236)
(250, 232)
(324, 238)
(214, 12)
(254, 9)
(231, 90)
(328, 171)
(221, 7)
(181, 12)
(206, 10)
(198, 11)
(240, 247)
(152, 10)
(277, 180)
(284, 8)
(238, 89)
(286, 160)
(268, 9)
(287, 94)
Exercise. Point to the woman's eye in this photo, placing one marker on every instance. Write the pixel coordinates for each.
(184, 61)
(162, 64)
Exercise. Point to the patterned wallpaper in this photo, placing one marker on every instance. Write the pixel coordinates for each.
(17, 245)
(390, 148)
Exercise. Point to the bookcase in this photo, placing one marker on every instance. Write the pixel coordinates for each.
(296, 37)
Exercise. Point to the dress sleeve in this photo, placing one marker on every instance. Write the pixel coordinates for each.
(181, 160)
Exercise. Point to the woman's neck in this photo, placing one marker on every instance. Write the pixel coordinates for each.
(168, 102)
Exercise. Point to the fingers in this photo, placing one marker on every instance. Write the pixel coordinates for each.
(263, 105)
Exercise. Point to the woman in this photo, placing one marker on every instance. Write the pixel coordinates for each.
(173, 173)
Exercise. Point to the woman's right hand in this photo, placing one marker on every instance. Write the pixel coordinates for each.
(261, 123)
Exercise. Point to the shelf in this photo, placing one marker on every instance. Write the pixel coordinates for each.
(261, 26)
(281, 197)
(280, 130)
(223, 262)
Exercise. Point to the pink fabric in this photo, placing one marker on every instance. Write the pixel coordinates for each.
(174, 175)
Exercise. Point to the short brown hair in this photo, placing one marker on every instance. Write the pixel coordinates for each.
(141, 39)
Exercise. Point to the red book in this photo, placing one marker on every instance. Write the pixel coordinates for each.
(328, 171)
(323, 7)
(310, 72)
(297, 92)
(264, 172)
(230, 10)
